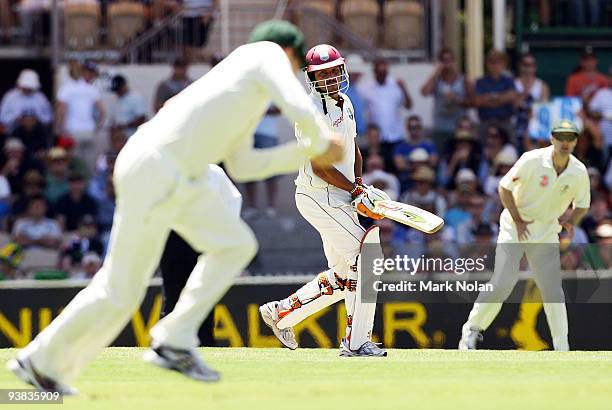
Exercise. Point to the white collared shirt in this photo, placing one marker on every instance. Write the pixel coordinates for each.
(539, 193)
(342, 121)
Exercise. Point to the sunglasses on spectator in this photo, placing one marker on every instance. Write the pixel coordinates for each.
(565, 136)
(528, 63)
(415, 127)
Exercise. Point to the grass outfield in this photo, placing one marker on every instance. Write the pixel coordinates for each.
(319, 379)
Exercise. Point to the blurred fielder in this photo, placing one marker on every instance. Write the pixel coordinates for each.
(164, 181)
(327, 199)
(538, 189)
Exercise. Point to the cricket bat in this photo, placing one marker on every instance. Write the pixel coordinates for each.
(409, 215)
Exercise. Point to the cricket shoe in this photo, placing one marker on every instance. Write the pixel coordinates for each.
(270, 316)
(185, 361)
(469, 339)
(368, 349)
(24, 369)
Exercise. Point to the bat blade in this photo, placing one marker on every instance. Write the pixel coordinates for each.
(409, 215)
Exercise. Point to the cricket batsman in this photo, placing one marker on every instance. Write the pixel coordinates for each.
(164, 181)
(327, 198)
(538, 189)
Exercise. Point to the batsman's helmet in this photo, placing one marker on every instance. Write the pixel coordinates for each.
(282, 33)
(321, 57)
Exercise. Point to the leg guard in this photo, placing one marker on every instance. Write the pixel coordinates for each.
(360, 318)
(324, 290)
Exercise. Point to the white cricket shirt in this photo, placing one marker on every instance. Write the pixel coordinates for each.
(540, 194)
(341, 117)
(214, 118)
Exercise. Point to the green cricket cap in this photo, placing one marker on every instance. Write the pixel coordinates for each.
(282, 33)
(565, 125)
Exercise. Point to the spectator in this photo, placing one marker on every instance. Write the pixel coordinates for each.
(423, 193)
(355, 65)
(75, 164)
(16, 162)
(106, 210)
(586, 79)
(495, 96)
(33, 134)
(197, 21)
(82, 242)
(458, 213)
(33, 185)
(117, 141)
(503, 161)
(91, 263)
(463, 153)
(597, 187)
(589, 150)
(372, 146)
(170, 87)
(417, 158)
(75, 204)
(6, 21)
(384, 97)
(600, 110)
(530, 89)
(494, 143)
(80, 114)
(449, 88)
(129, 110)
(266, 136)
(25, 96)
(416, 139)
(98, 184)
(5, 198)
(162, 8)
(599, 212)
(35, 229)
(35, 17)
(476, 209)
(378, 178)
(57, 174)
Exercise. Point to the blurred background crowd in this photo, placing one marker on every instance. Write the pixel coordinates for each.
(58, 151)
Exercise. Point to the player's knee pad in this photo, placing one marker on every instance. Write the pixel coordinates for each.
(324, 290)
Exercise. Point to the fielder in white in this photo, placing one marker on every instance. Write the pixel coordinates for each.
(164, 181)
(538, 189)
(327, 199)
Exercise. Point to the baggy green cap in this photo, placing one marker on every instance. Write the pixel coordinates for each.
(282, 33)
(565, 125)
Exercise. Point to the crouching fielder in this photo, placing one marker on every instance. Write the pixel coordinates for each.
(323, 197)
(163, 182)
(535, 193)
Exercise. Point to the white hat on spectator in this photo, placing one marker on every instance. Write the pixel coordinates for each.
(28, 79)
(355, 64)
(604, 230)
(14, 144)
(465, 175)
(91, 257)
(418, 155)
(507, 156)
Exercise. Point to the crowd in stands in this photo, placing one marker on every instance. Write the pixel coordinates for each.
(479, 131)
(57, 157)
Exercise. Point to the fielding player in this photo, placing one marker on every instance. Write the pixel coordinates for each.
(323, 197)
(538, 189)
(163, 182)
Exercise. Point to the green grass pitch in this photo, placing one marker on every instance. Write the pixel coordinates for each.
(254, 379)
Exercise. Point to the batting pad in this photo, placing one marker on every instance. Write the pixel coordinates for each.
(360, 315)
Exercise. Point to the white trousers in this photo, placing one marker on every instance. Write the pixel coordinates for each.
(153, 197)
(544, 262)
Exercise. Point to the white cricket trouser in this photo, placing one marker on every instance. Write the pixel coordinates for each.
(153, 197)
(545, 263)
(341, 234)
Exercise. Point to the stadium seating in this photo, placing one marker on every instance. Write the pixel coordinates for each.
(81, 26)
(314, 31)
(403, 24)
(125, 21)
(361, 17)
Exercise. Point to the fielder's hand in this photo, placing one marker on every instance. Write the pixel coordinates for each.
(334, 153)
(522, 229)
